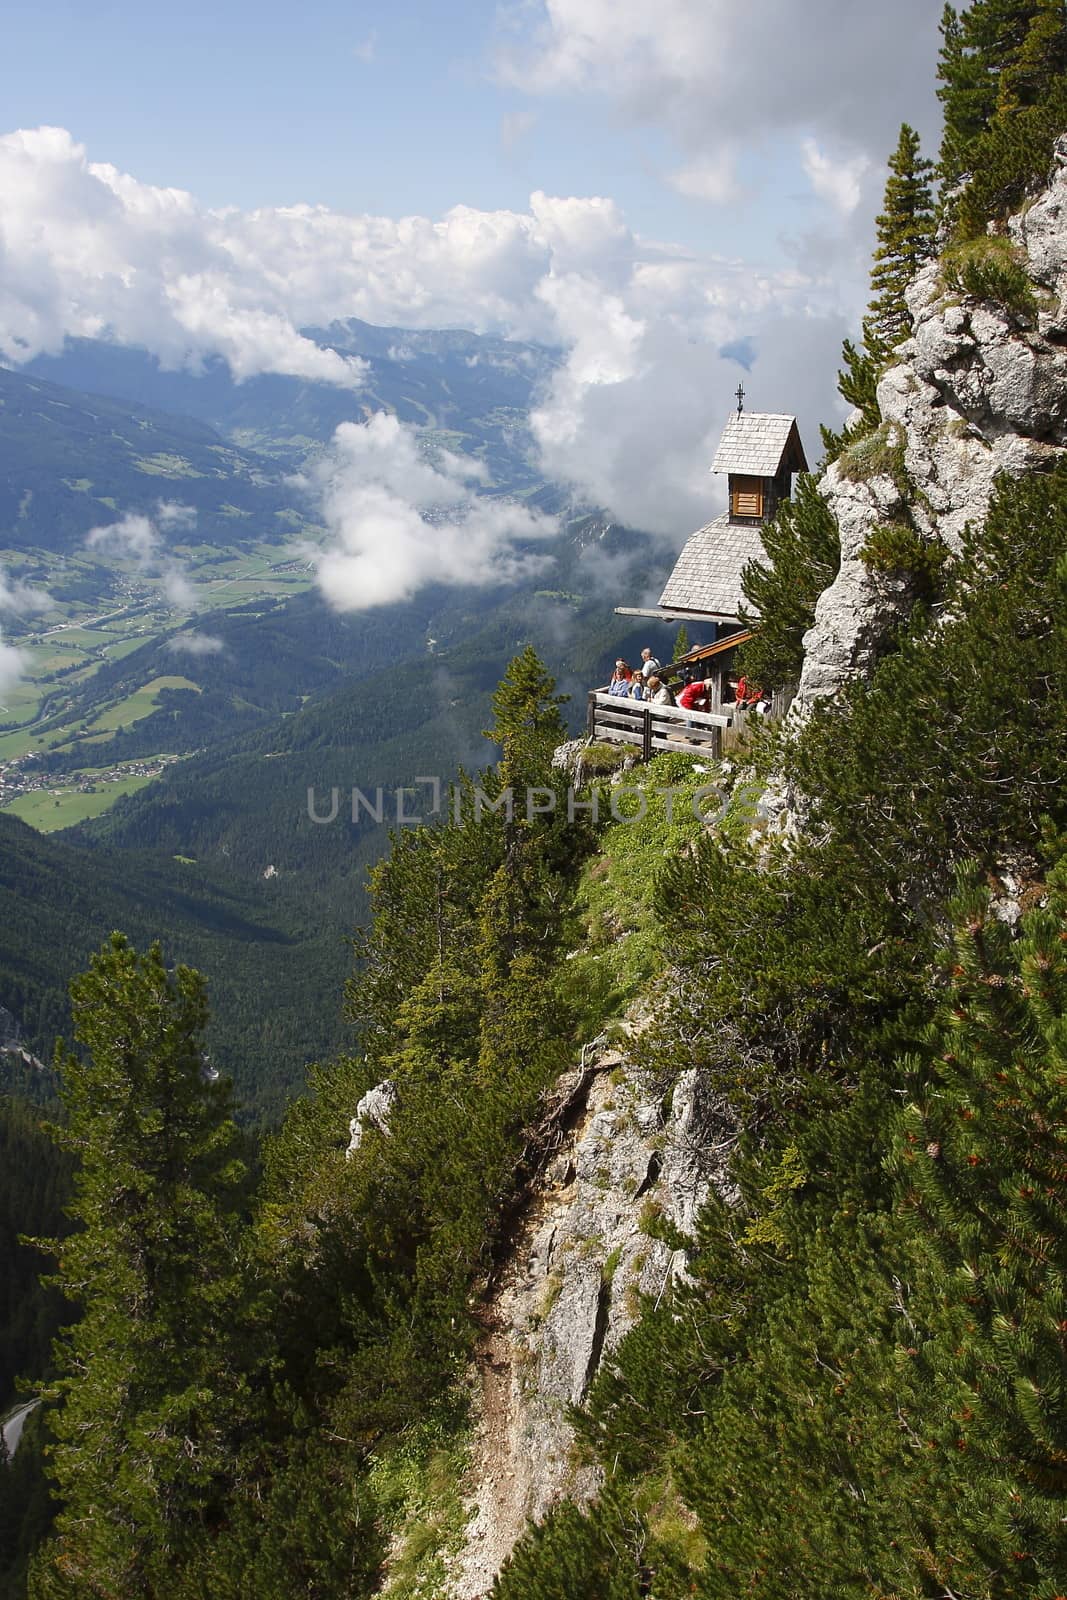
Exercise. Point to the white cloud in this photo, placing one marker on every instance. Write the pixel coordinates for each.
(630, 414)
(13, 663)
(838, 182)
(136, 538)
(172, 514)
(21, 598)
(713, 73)
(195, 644)
(88, 250)
(398, 520)
(177, 588)
(133, 537)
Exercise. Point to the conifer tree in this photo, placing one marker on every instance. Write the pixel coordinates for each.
(983, 1151)
(905, 241)
(905, 232)
(145, 1398)
(528, 723)
(803, 551)
(1003, 71)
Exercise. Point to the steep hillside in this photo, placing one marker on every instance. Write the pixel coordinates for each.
(690, 1217)
(474, 391)
(276, 970)
(71, 461)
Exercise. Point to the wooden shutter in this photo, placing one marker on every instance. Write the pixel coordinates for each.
(746, 497)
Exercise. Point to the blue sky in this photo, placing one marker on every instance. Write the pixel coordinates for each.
(388, 109)
(662, 189)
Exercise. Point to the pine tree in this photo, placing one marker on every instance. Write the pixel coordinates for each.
(905, 233)
(803, 552)
(147, 1393)
(905, 241)
(982, 1151)
(528, 723)
(1003, 71)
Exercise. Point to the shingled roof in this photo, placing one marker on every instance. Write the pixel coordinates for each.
(756, 442)
(707, 574)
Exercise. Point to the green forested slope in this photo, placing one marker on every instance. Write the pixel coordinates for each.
(860, 1392)
(71, 461)
(275, 969)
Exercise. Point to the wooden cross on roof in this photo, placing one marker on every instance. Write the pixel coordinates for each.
(740, 399)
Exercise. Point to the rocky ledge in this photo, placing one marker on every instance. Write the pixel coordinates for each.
(978, 390)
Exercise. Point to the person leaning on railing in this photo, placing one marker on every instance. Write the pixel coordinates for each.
(696, 696)
(657, 692)
(621, 679)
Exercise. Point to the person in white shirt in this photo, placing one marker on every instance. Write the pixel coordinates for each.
(649, 664)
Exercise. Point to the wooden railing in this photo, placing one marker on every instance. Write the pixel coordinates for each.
(620, 720)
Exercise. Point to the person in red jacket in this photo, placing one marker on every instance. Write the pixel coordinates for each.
(747, 694)
(697, 696)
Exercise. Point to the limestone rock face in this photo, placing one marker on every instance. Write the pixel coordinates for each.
(373, 1110)
(976, 391)
(569, 1288)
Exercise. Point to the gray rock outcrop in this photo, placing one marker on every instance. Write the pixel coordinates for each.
(374, 1110)
(976, 391)
(571, 1287)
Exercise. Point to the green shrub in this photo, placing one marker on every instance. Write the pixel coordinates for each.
(991, 268)
(896, 547)
(877, 455)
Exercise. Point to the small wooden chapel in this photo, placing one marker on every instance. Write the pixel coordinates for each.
(759, 452)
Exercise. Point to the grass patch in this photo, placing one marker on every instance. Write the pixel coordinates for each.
(48, 812)
(165, 465)
(137, 705)
(619, 933)
(416, 1481)
(671, 1523)
(600, 760)
(876, 455)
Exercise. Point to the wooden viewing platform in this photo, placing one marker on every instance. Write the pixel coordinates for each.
(619, 720)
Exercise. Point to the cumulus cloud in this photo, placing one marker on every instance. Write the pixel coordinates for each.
(88, 250)
(21, 598)
(195, 644)
(399, 520)
(650, 332)
(133, 537)
(713, 73)
(13, 664)
(136, 537)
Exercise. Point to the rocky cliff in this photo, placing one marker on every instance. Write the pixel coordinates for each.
(581, 1257)
(979, 389)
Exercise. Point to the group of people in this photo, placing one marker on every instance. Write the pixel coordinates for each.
(646, 684)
